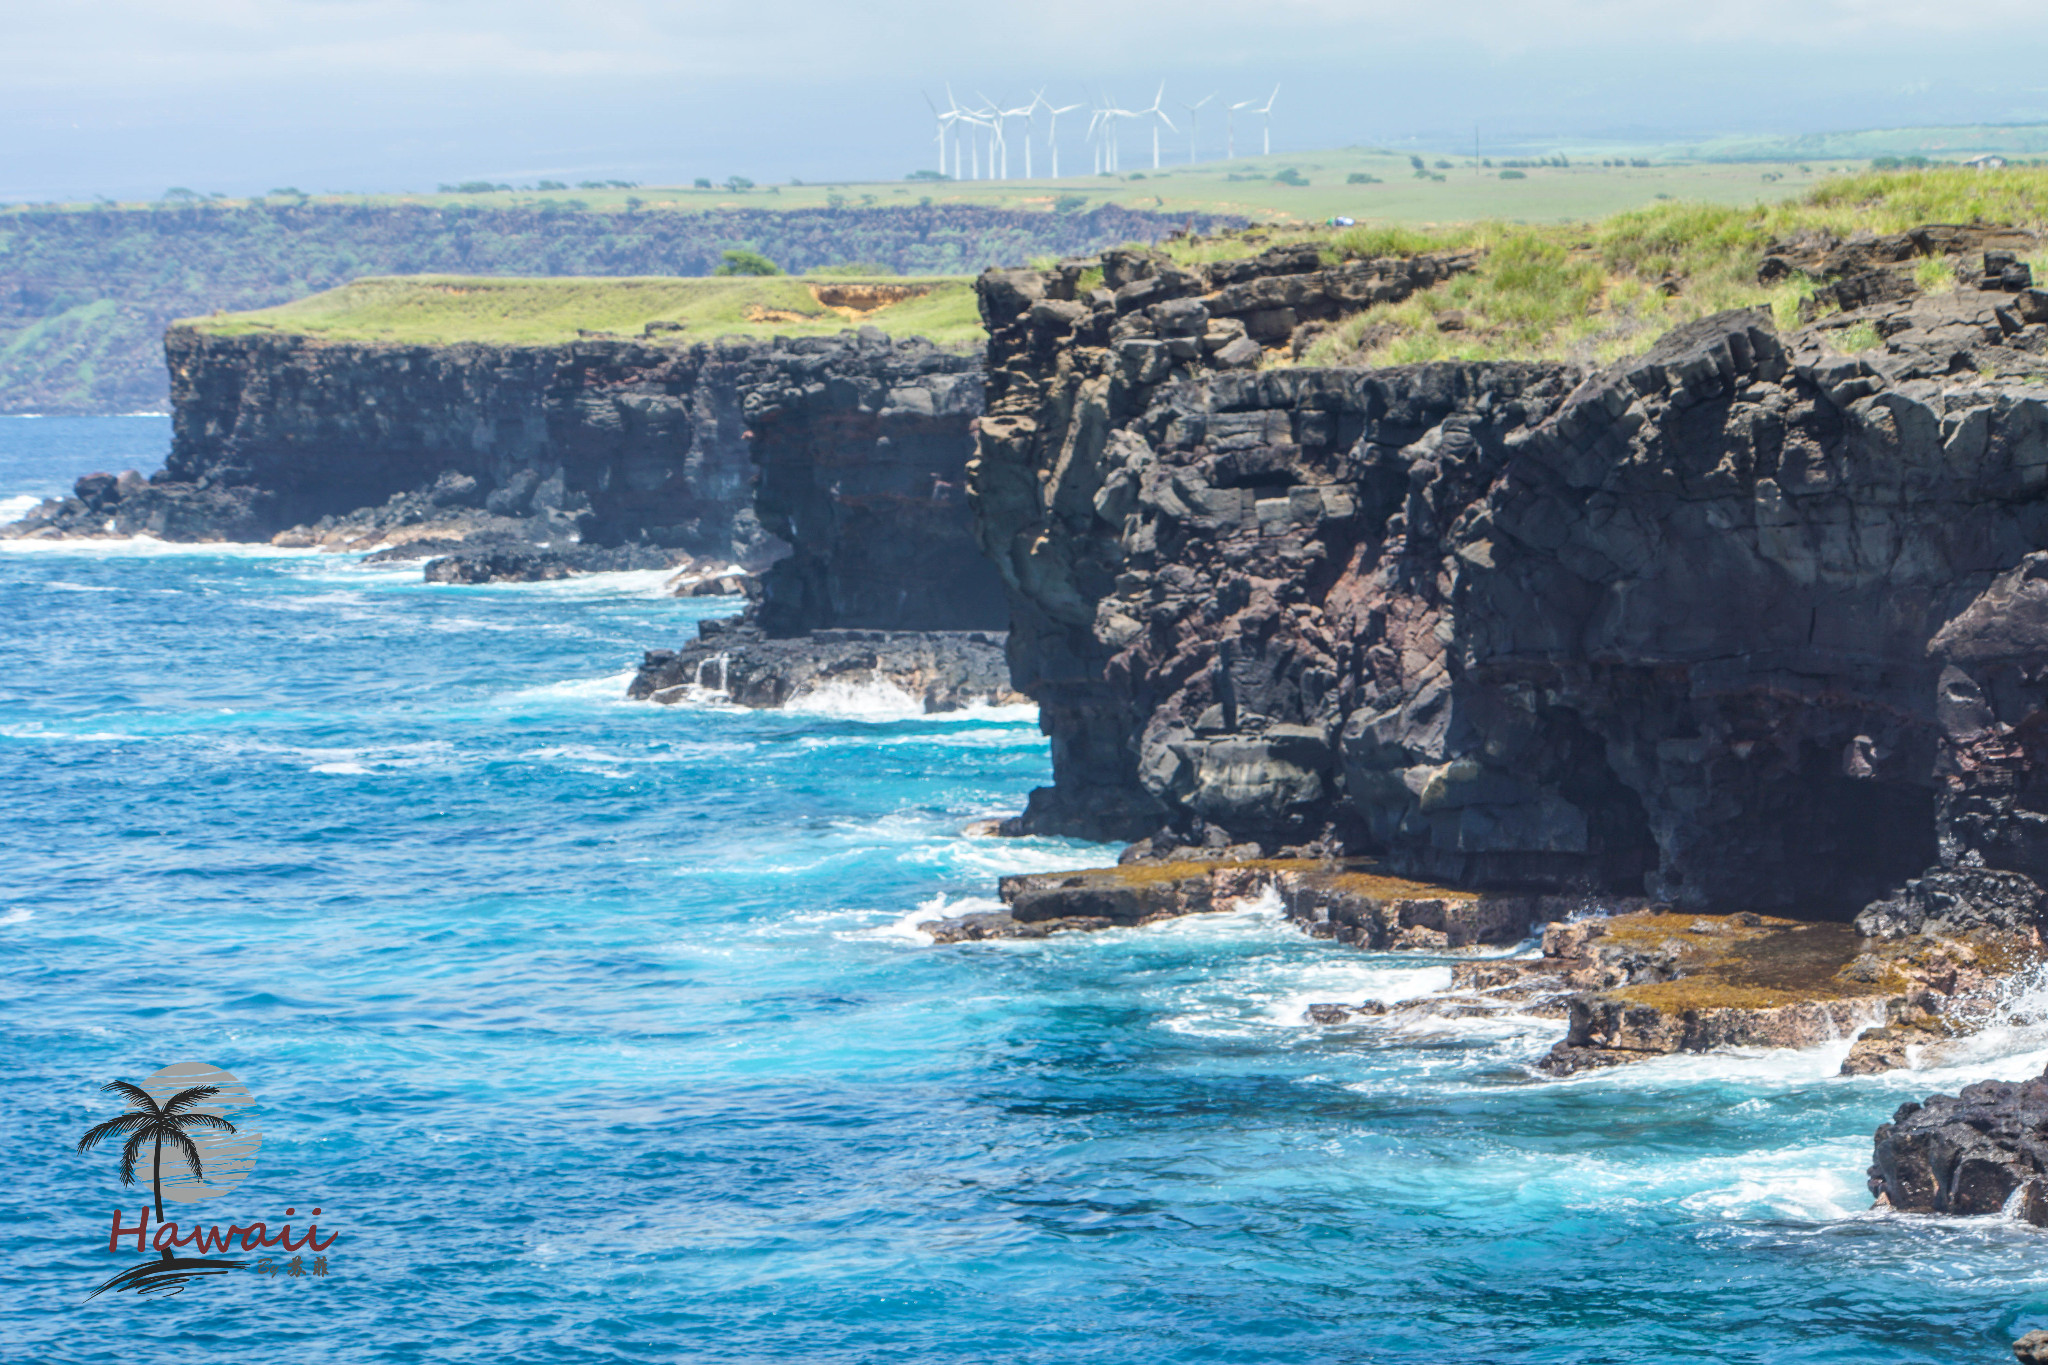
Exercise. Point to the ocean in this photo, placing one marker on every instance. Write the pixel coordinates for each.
(600, 1031)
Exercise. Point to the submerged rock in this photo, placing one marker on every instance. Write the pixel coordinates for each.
(498, 566)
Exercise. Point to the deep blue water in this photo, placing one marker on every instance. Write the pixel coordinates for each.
(595, 1031)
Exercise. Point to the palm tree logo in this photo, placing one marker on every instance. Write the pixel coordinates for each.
(185, 1129)
(147, 1122)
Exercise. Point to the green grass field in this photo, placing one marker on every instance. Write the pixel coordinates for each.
(444, 309)
(1741, 170)
(1246, 186)
(1587, 291)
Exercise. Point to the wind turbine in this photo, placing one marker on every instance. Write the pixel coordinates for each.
(1230, 128)
(1194, 122)
(1265, 113)
(1029, 113)
(977, 120)
(997, 116)
(1156, 112)
(945, 121)
(1112, 157)
(1052, 132)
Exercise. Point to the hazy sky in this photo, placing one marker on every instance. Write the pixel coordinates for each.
(129, 97)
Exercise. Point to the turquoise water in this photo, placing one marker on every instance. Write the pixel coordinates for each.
(599, 1033)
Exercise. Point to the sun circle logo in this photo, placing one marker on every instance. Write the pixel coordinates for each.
(226, 1155)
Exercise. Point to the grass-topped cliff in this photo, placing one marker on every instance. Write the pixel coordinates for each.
(86, 291)
(1595, 291)
(446, 309)
(1581, 291)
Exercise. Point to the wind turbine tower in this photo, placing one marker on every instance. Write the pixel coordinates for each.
(1052, 132)
(1230, 128)
(1160, 115)
(1194, 122)
(1115, 156)
(997, 116)
(1265, 113)
(946, 120)
(1029, 113)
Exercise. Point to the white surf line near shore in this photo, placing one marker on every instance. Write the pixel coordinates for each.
(610, 689)
(600, 583)
(872, 699)
(123, 547)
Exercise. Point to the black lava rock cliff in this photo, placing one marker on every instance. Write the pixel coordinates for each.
(1661, 628)
(858, 445)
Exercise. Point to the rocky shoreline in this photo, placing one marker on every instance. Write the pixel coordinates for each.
(1631, 978)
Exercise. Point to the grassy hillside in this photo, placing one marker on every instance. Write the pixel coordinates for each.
(442, 309)
(1593, 292)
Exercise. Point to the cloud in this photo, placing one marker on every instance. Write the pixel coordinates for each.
(134, 94)
(119, 43)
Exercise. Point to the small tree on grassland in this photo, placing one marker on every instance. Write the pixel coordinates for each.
(740, 261)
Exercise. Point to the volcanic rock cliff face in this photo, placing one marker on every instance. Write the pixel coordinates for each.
(863, 458)
(1663, 628)
(610, 442)
(859, 444)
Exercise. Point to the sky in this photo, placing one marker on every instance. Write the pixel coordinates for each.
(126, 98)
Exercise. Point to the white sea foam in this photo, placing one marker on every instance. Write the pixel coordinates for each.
(983, 713)
(38, 730)
(150, 547)
(352, 762)
(19, 914)
(615, 583)
(609, 688)
(16, 507)
(1769, 1067)
(983, 859)
(870, 700)
(1351, 979)
(905, 929)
